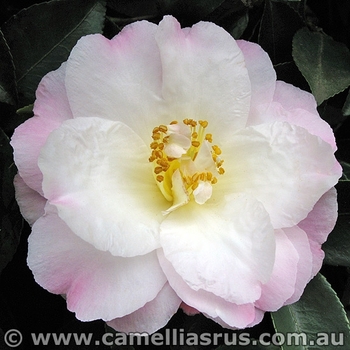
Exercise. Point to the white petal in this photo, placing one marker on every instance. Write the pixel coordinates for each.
(96, 172)
(151, 317)
(281, 165)
(203, 192)
(204, 75)
(281, 285)
(224, 248)
(261, 74)
(218, 309)
(118, 79)
(97, 284)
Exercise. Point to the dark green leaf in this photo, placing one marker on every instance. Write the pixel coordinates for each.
(346, 107)
(239, 26)
(11, 219)
(346, 171)
(318, 314)
(8, 91)
(324, 63)
(278, 25)
(42, 36)
(251, 3)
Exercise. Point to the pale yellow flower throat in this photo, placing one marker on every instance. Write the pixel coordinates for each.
(185, 165)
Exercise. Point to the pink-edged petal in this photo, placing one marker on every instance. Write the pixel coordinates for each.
(51, 96)
(295, 106)
(223, 248)
(97, 284)
(97, 174)
(204, 75)
(281, 285)
(118, 79)
(321, 220)
(31, 203)
(283, 166)
(51, 108)
(151, 317)
(214, 307)
(261, 74)
(317, 257)
(304, 270)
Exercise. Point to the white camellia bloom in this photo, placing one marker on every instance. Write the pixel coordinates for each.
(167, 166)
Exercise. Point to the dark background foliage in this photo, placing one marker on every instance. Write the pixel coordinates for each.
(308, 42)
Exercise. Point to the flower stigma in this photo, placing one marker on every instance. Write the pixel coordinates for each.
(185, 164)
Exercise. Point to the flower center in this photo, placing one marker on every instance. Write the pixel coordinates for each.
(185, 164)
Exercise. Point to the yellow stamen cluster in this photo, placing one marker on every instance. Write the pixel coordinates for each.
(162, 162)
(192, 182)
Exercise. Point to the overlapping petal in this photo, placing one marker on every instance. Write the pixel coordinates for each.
(203, 75)
(30, 202)
(223, 248)
(105, 192)
(51, 108)
(217, 308)
(97, 284)
(283, 166)
(126, 80)
(151, 317)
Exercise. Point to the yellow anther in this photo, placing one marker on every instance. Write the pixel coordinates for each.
(209, 137)
(166, 167)
(209, 176)
(186, 121)
(156, 129)
(154, 145)
(193, 123)
(161, 145)
(218, 164)
(194, 186)
(158, 169)
(195, 177)
(203, 123)
(162, 162)
(160, 178)
(202, 176)
(216, 149)
(166, 139)
(214, 180)
(173, 122)
(158, 154)
(194, 135)
(152, 158)
(221, 171)
(156, 136)
(163, 128)
(195, 143)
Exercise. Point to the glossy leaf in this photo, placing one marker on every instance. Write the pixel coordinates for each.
(8, 91)
(324, 63)
(39, 41)
(317, 317)
(11, 219)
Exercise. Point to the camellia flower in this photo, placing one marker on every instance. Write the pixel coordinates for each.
(168, 167)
